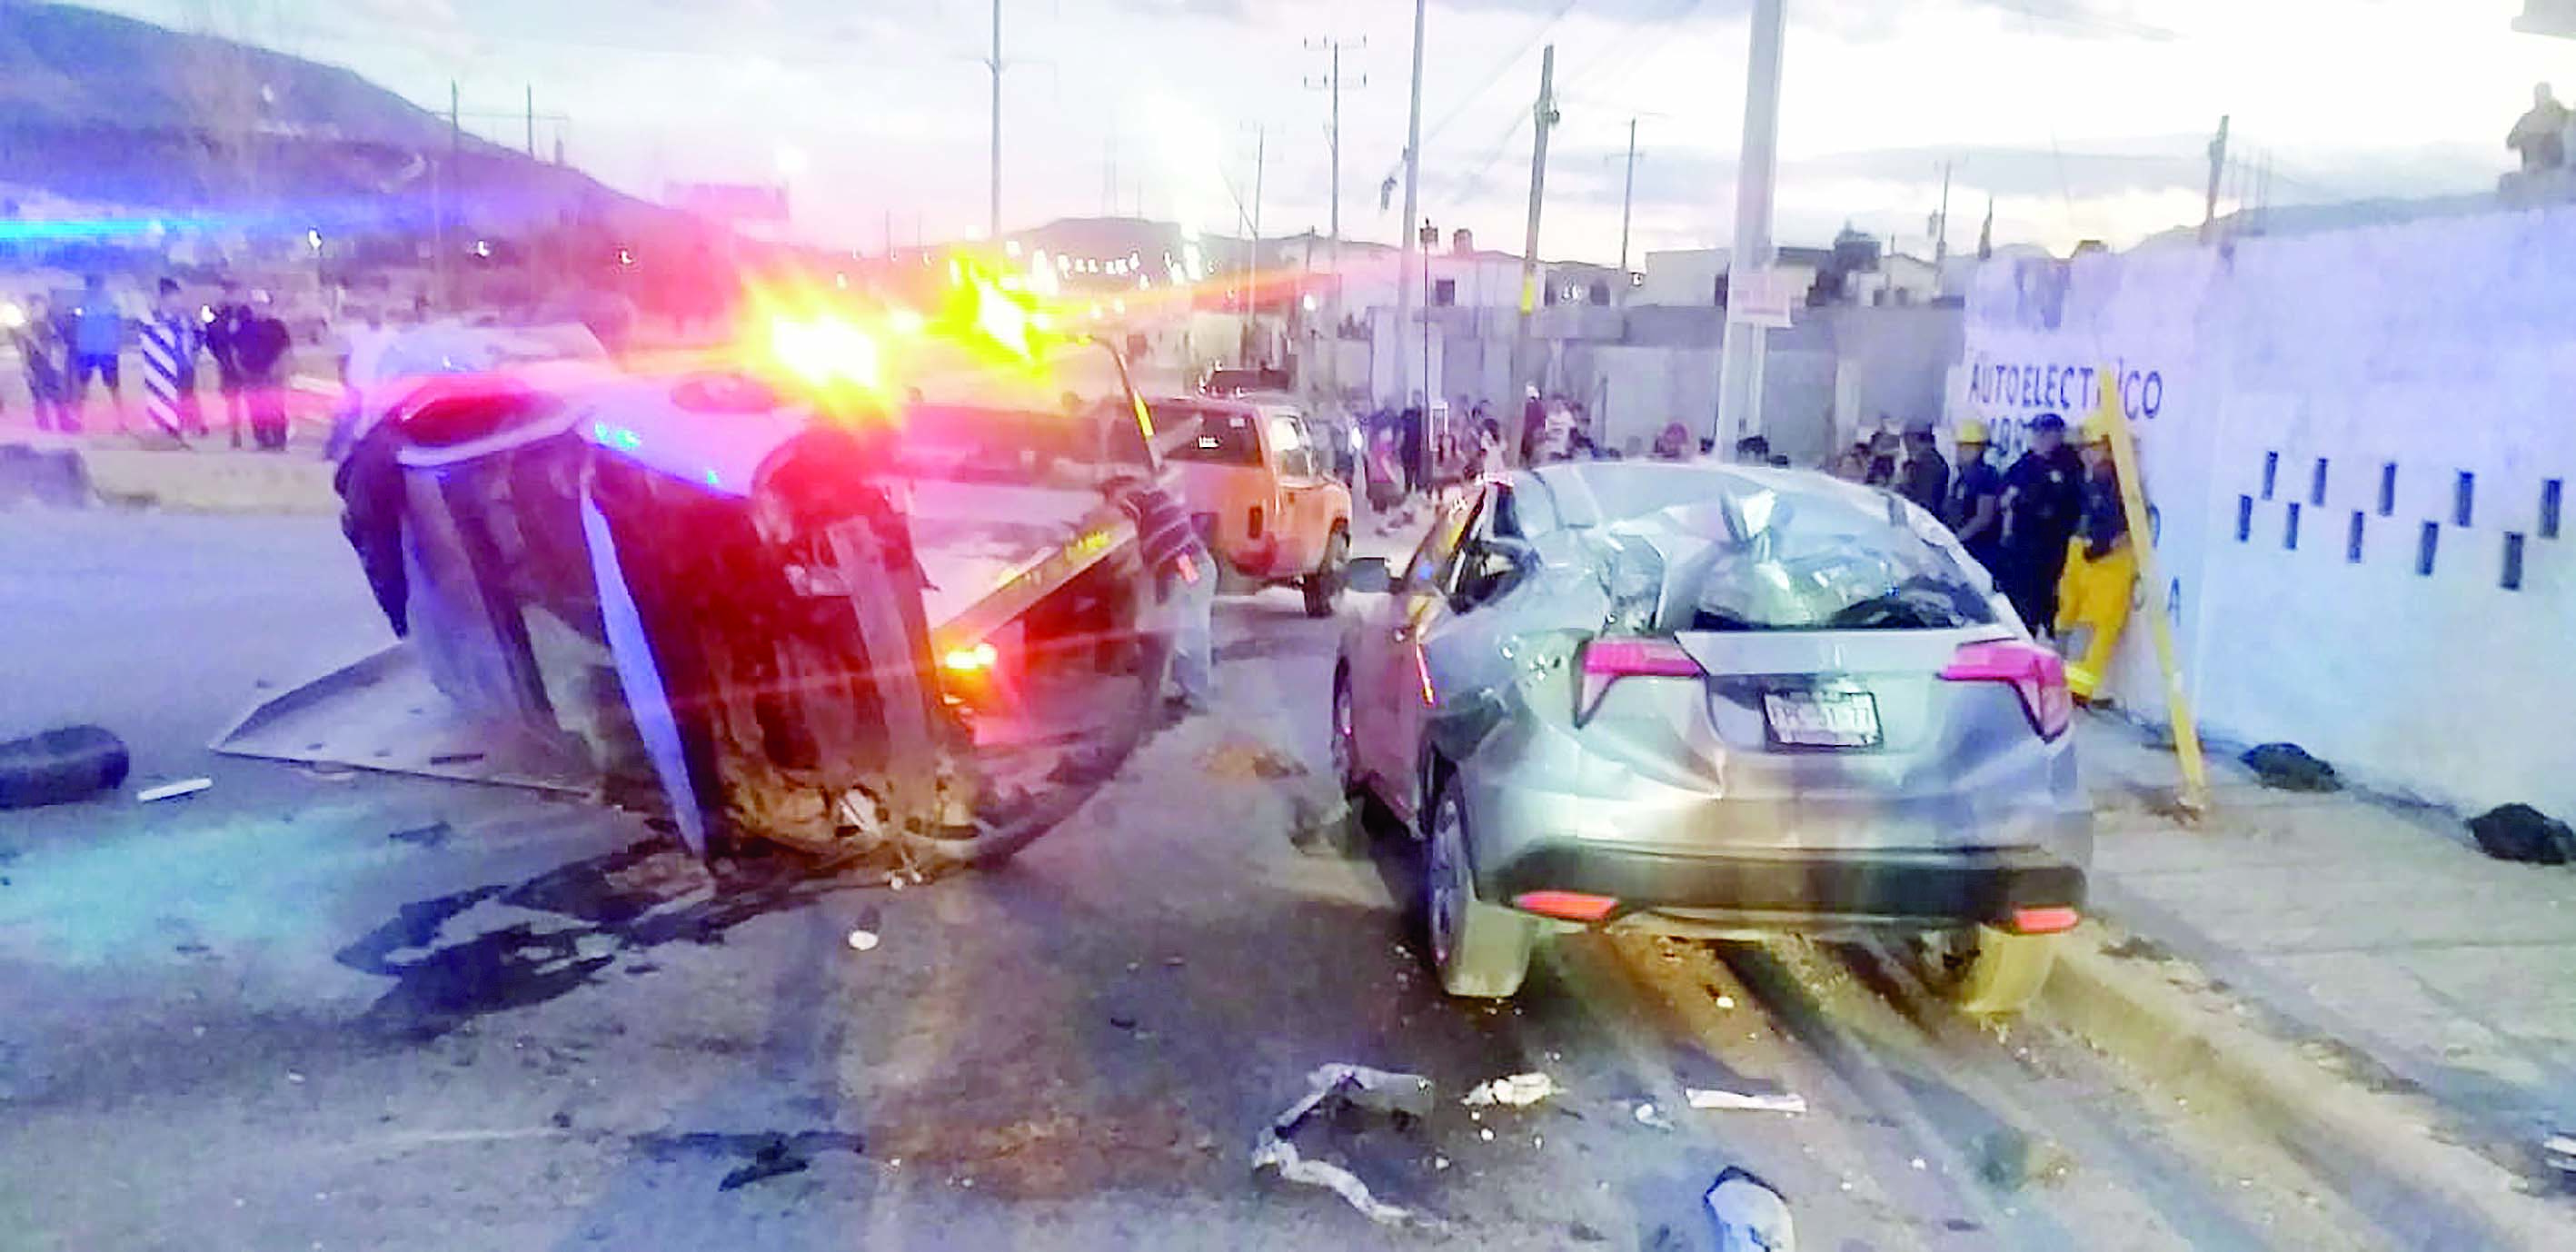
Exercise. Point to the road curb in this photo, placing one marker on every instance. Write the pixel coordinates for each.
(210, 481)
(2384, 1152)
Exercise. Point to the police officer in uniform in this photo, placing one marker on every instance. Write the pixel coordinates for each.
(2043, 498)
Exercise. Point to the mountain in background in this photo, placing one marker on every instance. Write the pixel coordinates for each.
(104, 110)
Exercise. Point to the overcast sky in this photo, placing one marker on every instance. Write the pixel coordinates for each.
(2080, 118)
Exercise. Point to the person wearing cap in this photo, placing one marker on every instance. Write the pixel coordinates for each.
(1925, 478)
(1975, 509)
(2101, 570)
(2043, 494)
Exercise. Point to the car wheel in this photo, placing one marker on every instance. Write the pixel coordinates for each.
(1992, 972)
(1478, 949)
(1324, 586)
(1346, 757)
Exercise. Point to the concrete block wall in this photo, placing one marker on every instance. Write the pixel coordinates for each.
(2420, 362)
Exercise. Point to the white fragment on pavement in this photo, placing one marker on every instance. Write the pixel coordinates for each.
(1749, 1215)
(1278, 1155)
(1383, 1090)
(1652, 1116)
(173, 790)
(1515, 1091)
(862, 940)
(1748, 1101)
(2560, 1149)
(1726, 1002)
(1440, 1162)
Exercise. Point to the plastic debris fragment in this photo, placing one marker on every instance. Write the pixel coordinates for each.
(1515, 1091)
(1748, 1101)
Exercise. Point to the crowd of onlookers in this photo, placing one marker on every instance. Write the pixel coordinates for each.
(2053, 509)
(66, 346)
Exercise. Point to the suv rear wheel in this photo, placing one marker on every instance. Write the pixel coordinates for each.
(1479, 950)
(1991, 972)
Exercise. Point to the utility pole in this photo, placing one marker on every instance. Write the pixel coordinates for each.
(1739, 397)
(2217, 162)
(1332, 82)
(1627, 201)
(1260, 165)
(1404, 270)
(994, 219)
(1544, 114)
(1109, 175)
(1941, 235)
(455, 145)
(532, 121)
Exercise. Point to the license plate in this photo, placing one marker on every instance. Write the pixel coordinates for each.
(1822, 719)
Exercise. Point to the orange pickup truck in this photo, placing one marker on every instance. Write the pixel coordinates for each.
(1251, 472)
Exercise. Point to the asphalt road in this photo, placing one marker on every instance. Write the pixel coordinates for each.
(320, 1010)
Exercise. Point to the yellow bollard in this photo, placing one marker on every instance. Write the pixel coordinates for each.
(2133, 503)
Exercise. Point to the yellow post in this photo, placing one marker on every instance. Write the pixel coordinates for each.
(2133, 503)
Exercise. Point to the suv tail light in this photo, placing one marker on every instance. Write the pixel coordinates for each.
(1606, 661)
(2036, 674)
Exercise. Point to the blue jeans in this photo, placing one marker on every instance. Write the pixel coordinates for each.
(1188, 608)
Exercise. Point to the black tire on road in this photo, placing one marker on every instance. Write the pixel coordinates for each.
(1995, 973)
(1324, 586)
(1481, 951)
(60, 766)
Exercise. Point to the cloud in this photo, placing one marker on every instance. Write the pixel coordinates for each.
(1226, 10)
(1861, 19)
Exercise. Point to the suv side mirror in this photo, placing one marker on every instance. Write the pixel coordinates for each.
(1369, 574)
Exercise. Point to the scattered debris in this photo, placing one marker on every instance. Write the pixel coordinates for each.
(1747, 1101)
(863, 937)
(1585, 1232)
(1334, 1089)
(2010, 1159)
(1648, 1114)
(173, 790)
(456, 758)
(2560, 1151)
(1123, 1021)
(1516, 1091)
(2288, 767)
(432, 835)
(60, 766)
(1747, 1215)
(769, 1161)
(1242, 760)
(2519, 832)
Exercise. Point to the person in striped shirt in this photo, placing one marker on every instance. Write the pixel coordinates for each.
(170, 340)
(1184, 580)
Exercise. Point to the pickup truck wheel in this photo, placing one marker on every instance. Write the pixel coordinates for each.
(1991, 972)
(1479, 950)
(1324, 586)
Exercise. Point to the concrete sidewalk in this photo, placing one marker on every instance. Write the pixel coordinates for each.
(2373, 934)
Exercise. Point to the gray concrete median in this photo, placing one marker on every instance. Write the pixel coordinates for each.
(196, 481)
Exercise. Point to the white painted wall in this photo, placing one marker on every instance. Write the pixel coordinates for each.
(2443, 346)
(1688, 277)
